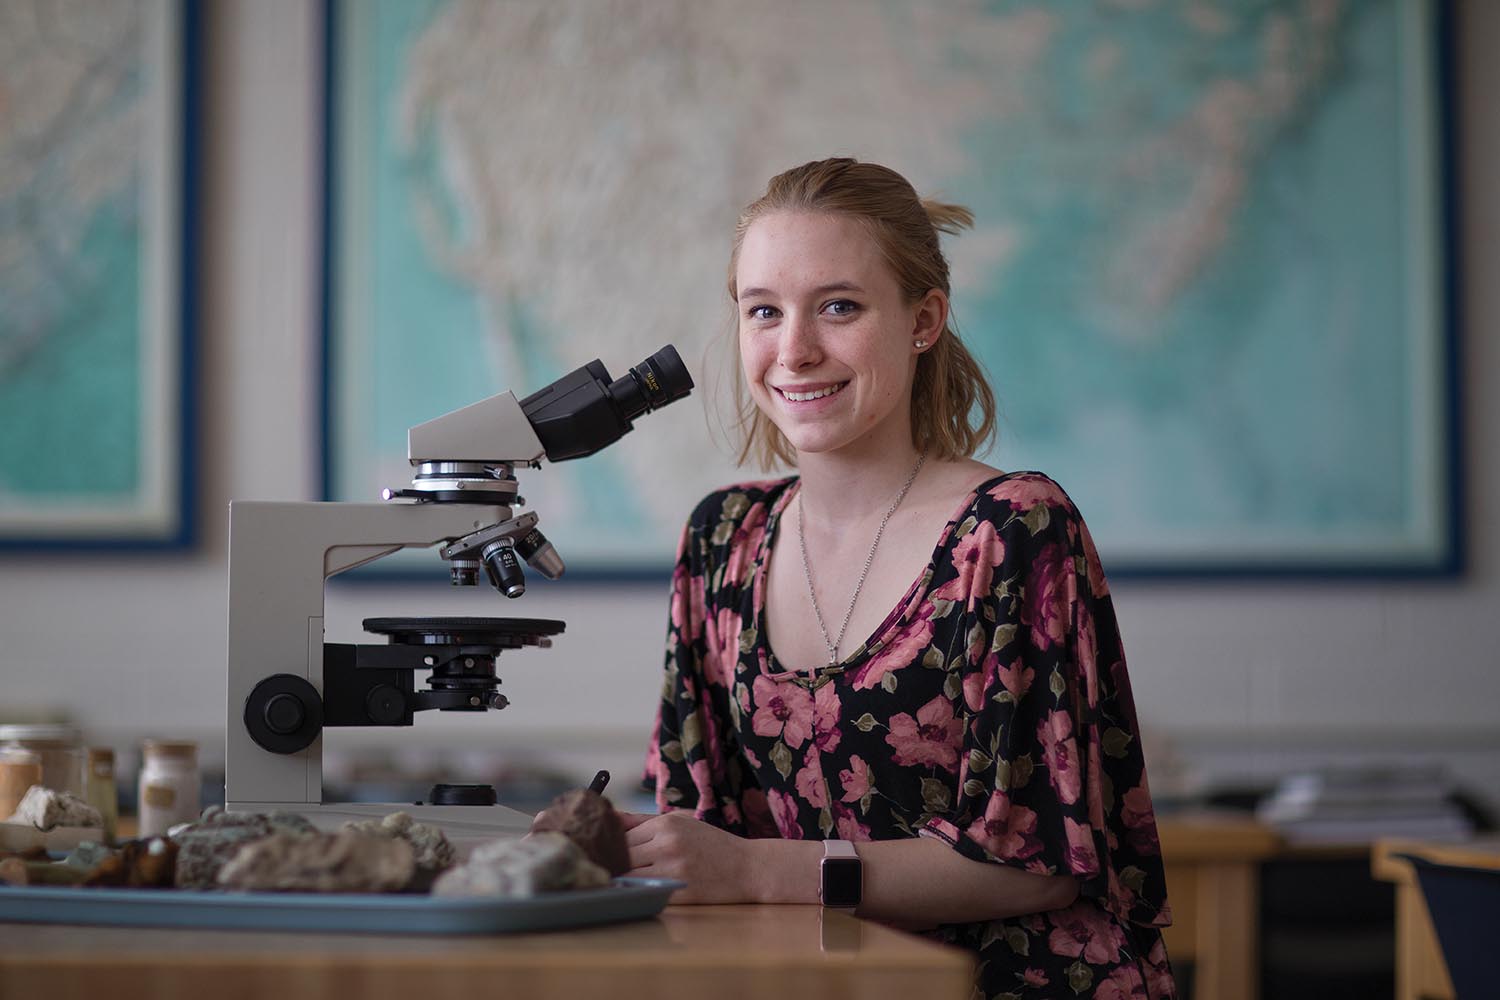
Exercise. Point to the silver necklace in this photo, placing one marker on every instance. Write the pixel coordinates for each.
(833, 644)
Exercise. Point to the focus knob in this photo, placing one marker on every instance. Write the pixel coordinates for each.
(284, 713)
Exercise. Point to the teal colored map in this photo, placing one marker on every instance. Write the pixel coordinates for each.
(87, 347)
(1204, 276)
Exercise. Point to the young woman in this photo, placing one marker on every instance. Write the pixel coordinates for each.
(894, 681)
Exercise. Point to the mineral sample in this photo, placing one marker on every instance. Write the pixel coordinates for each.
(590, 821)
(541, 862)
(137, 864)
(46, 809)
(429, 845)
(320, 862)
(206, 846)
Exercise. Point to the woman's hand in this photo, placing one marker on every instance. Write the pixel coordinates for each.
(711, 861)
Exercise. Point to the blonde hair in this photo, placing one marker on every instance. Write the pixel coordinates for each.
(949, 386)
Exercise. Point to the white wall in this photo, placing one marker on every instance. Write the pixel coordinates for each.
(1232, 679)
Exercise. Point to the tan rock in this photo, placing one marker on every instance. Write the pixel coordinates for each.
(337, 862)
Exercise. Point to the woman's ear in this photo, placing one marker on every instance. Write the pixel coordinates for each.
(930, 319)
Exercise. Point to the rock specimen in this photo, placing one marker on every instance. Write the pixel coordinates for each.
(137, 864)
(540, 862)
(207, 845)
(429, 845)
(590, 821)
(46, 809)
(320, 862)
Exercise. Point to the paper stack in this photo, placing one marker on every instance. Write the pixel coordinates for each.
(1358, 805)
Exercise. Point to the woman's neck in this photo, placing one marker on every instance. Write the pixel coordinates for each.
(839, 488)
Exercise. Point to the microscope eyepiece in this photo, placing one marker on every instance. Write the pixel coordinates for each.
(586, 410)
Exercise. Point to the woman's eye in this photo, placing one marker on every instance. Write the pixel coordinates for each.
(842, 307)
(761, 312)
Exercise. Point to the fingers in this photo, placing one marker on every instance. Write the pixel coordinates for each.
(633, 820)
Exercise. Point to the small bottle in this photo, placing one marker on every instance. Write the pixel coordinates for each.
(168, 785)
(57, 746)
(99, 788)
(19, 770)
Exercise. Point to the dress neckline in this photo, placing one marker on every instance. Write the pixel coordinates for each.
(903, 610)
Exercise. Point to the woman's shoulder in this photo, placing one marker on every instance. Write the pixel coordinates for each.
(733, 502)
(1025, 491)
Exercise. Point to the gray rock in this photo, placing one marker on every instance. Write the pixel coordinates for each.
(429, 844)
(207, 846)
(46, 809)
(541, 862)
(320, 862)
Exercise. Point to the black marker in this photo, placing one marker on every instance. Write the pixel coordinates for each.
(600, 780)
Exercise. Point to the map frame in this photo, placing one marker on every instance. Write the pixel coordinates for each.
(161, 514)
(1433, 548)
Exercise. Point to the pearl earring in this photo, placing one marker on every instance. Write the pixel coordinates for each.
(921, 344)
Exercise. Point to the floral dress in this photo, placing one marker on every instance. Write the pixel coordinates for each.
(991, 710)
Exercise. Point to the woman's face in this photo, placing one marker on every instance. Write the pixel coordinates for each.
(826, 340)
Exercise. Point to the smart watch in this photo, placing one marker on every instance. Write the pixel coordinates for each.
(841, 876)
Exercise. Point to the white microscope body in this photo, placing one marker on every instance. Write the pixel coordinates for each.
(285, 684)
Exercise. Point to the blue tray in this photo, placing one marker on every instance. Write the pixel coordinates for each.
(385, 913)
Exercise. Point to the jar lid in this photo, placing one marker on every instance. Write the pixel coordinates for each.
(170, 748)
(48, 732)
(101, 754)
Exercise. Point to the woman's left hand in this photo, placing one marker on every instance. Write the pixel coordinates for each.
(711, 861)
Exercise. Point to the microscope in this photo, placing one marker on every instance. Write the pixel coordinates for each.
(286, 685)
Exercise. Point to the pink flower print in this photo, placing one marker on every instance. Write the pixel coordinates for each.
(1087, 653)
(1060, 754)
(900, 652)
(726, 642)
(1026, 492)
(1016, 678)
(1085, 930)
(785, 710)
(1007, 831)
(1048, 596)
(687, 604)
(932, 738)
(975, 557)
(703, 784)
(848, 825)
(784, 811)
(750, 757)
(810, 781)
(1140, 820)
(744, 546)
(974, 685)
(1098, 585)
(856, 780)
(1034, 978)
(1083, 859)
(1124, 983)
(826, 710)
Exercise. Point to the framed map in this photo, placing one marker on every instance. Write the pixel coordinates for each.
(96, 189)
(1209, 276)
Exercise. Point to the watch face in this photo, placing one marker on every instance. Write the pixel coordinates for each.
(843, 880)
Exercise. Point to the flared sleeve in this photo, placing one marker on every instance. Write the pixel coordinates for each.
(1052, 778)
(694, 761)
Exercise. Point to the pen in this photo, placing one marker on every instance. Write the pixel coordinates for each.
(600, 780)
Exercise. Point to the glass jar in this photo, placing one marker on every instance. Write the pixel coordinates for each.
(168, 785)
(19, 770)
(57, 746)
(99, 788)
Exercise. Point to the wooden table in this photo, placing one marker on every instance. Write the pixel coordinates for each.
(723, 952)
(1421, 973)
(1213, 883)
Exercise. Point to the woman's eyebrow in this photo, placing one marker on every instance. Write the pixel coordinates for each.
(837, 286)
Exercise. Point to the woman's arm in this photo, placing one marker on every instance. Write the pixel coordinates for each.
(914, 883)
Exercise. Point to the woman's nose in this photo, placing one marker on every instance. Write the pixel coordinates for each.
(799, 344)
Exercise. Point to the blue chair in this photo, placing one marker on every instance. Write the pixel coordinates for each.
(1465, 907)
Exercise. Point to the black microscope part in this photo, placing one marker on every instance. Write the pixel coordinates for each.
(587, 410)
